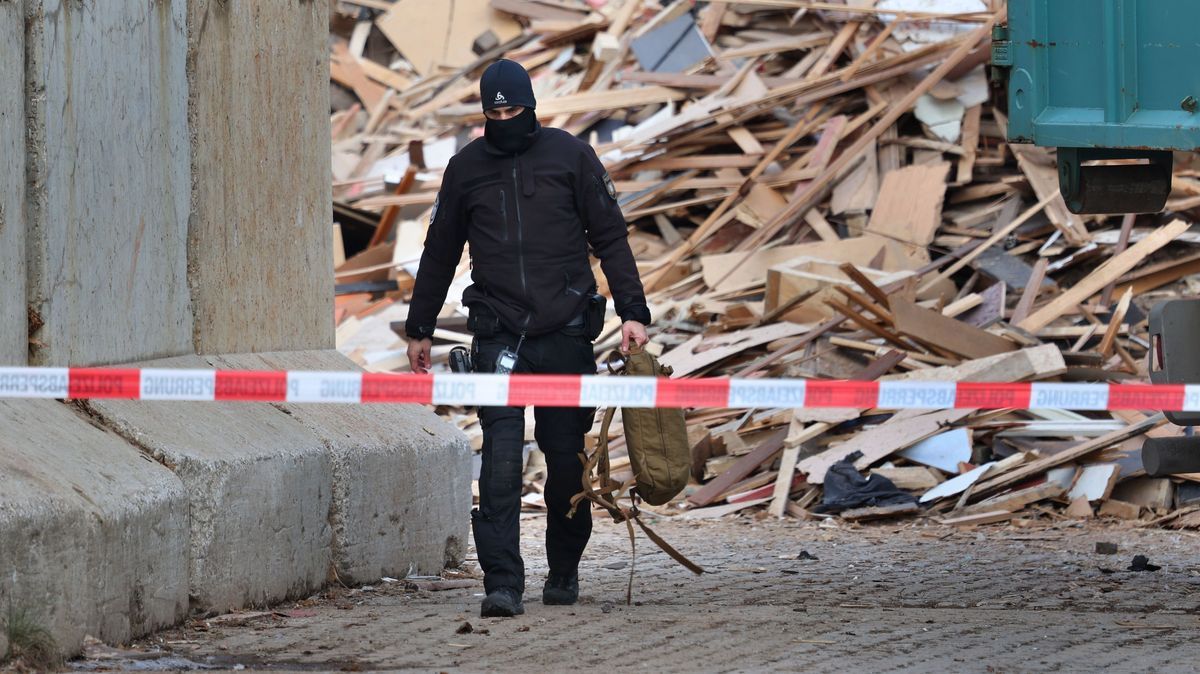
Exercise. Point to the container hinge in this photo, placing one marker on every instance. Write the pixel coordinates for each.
(1001, 47)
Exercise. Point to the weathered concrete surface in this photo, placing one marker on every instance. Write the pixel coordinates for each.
(260, 253)
(886, 598)
(12, 185)
(401, 477)
(107, 205)
(258, 483)
(93, 534)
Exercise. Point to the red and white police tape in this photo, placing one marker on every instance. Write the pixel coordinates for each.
(578, 391)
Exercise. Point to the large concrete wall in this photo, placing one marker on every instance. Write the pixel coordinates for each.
(260, 258)
(259, 487)
(12, 185)
(178, 179)
(93, 535)
(175, 199)
(401, 477)
(108, 176)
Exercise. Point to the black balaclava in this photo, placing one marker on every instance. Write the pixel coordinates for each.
(505, 83)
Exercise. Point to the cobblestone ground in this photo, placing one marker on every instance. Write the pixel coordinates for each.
(884, 598)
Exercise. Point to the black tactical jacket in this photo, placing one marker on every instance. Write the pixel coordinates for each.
(530, 220)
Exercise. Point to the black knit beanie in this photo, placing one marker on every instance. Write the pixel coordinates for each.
(505, 83)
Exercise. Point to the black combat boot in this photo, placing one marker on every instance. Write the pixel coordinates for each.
(503, 602)
(561, 590)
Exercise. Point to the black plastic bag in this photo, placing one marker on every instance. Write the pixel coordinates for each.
(846, 488)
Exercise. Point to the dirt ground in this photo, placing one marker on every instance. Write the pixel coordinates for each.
(778, 596)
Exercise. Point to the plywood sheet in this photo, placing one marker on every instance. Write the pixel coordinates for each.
(933, 328)
(701, 351)
(432, 34)
(859, 251)
(909, 207)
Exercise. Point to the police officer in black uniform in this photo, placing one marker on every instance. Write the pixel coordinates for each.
(531, 201)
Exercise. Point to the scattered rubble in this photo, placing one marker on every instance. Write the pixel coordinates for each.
(814, 189)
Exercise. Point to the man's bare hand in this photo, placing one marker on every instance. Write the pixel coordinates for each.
(635, 332)
(418, 355)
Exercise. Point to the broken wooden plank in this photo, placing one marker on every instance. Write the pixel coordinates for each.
(1029, 296)
(1114, 323)
(1040, 466)
(408, 24)
(931, 327)
(909, 205)
(701, 351)
(539, 10)
(1014, 501)
(1095, 482)
(1039, 168)
(956, 485)
(1110, 270)
(987, 243)
(979, 519)
(909, 478)
(970, 145)
(880, 441)
(802, 202)
(879, 512)
(739, 470)
(1119, 510)
(1148, 492)
(719, 511)
(1079, 509)
(797, 436)
(1127, 223)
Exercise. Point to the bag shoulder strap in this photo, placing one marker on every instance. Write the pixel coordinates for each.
(606, 493)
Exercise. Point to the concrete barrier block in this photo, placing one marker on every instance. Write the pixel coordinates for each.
(258, 483)
(401, 477)
(260, 257)
(107, 151)
(13, 329)
(93, 533)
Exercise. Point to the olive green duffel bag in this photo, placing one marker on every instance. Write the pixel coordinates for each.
(656, 438)
(659, 454)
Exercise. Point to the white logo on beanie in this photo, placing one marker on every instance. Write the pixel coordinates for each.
(500, 98)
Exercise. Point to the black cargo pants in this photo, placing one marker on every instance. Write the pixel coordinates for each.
(559, 433)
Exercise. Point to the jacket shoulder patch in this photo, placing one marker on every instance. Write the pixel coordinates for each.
(608, 185)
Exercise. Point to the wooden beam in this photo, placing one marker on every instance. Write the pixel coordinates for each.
(1025, 305)
(1107, 272)
(1122, 243)
(1017, 499)
(930, 327)
(747, 464)
(1114, 323)
(1035, 468)
(834, 49)
(865, 283)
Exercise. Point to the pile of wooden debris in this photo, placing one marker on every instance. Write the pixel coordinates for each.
(814, 189)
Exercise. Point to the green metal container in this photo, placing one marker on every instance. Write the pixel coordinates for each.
(1096, 76)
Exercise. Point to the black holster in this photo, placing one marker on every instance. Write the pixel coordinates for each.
(482, 322)
(593, 315)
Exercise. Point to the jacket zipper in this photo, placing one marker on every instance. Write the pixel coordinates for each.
(520, 245)
(504, 213)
